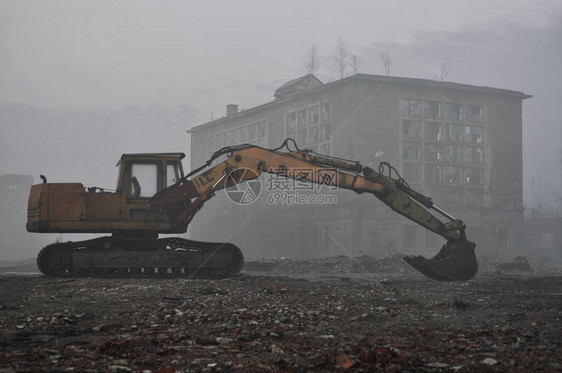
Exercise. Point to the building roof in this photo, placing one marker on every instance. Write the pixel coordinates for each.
(296, 86)
(315, 87)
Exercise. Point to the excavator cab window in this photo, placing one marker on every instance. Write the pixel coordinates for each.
(144, 180)
(173, 173)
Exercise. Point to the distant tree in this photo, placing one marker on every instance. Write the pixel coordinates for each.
(386, 60)
(354, 64)
(312, 61)
(341, 55)
(446, 67)
(541, 202)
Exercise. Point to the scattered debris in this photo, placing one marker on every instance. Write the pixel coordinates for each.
(318, 315)
(460, 304)
(520, 263)
(344, 362)
(489, 361)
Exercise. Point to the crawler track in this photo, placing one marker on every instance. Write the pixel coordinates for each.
(125, 257)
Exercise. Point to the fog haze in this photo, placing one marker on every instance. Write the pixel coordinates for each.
(79, 84)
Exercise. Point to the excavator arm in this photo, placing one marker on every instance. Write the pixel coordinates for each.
(455, 261)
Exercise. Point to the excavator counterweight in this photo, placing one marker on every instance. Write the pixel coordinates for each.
(154, 197)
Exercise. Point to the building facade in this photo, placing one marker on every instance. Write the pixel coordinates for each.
(544, 236)
(459, 144)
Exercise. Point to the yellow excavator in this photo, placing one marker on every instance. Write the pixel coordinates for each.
(154, 197)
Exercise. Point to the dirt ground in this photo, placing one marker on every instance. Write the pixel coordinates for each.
(326, 315)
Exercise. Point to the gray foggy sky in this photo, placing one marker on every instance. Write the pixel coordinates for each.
(76, 55)
(87, 56)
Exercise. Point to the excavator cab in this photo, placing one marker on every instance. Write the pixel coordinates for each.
(72, 208)
(141, 176)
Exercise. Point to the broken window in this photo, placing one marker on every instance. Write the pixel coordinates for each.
(452, 111)
(261, 128)
(454, 132)
(473, 134)
(302, 118)
(474, 176)
(313, 135)
(432, 110)
(310, 127)
(432, 153)
(236, 136)
(432, 174)
(314, 114)
(411, 108)
(325, 132)
(452, 153)
(433, 131)
(474, 113)
(411, 152)
(291, 120)
(452, 175)
(411, 129)
(243, 135)
(251, 132)
(473, 155)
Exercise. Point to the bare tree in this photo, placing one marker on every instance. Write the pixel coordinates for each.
(341, 54)
(312, 61)
(446, 67)
(354, 64)
(386, 60)
(542, 203)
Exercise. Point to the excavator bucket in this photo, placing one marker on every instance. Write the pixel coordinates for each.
(455, 261)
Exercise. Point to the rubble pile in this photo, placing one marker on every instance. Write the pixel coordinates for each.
(275, 323)
(391, 266)
(333, 266)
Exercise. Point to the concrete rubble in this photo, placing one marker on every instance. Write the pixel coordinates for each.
(289, 316)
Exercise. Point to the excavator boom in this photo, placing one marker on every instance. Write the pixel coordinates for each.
(456, 261)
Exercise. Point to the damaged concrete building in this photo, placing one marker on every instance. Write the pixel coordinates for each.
(459, 144)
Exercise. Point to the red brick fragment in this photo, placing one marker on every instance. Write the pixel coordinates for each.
(345, 362)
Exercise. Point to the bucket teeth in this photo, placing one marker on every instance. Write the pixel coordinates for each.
(455, 261)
